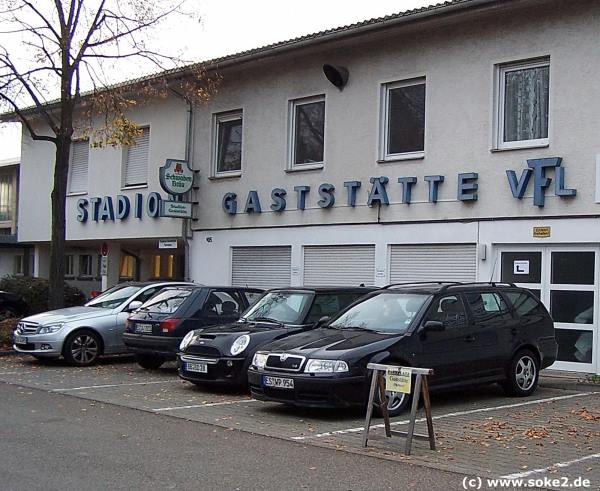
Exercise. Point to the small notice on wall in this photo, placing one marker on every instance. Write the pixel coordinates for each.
(398, 380)
(542, 231)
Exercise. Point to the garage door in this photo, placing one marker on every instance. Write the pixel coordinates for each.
(347, 265)
(453, 262)
(261, 267)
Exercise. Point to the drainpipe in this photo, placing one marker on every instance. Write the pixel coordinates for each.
(185, 225)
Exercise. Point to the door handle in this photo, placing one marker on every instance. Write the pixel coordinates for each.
(470, 338)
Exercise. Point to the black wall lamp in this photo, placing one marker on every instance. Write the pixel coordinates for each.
(337, 75)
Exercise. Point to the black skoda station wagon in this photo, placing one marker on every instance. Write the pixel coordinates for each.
(468, 333)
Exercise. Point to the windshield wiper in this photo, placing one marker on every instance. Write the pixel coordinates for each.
(268, 319)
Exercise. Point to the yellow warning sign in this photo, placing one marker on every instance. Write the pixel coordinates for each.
(398, 380)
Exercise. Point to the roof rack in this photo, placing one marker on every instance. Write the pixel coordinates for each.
(482, 283)
(422, 283)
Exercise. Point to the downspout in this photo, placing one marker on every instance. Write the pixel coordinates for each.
(185, 223)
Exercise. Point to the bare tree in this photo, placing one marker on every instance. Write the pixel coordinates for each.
(75, 45)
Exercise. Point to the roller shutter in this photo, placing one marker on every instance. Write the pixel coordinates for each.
(136, 164)
(78, 168)
(451, 262)
(347, 265)
(261, 267)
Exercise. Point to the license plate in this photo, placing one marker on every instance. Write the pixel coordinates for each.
(143, 328)
(278, 382)
(196, 367)
(20, 339)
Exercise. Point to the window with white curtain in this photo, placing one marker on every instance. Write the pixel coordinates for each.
(136, 160)
(78, 166)
(6, 190)
(227, 144)
(522, 104)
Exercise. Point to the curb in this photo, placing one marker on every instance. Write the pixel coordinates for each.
(567, 383)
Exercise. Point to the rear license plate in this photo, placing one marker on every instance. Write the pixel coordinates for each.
(196, 367)
(278, 382)
(143, 328)
(20, 339)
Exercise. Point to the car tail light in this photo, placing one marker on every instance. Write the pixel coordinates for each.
(169, 325)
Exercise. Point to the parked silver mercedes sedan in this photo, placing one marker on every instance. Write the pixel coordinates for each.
(82, 334)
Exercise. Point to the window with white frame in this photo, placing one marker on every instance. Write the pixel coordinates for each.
(136, 160)
(307, 132)
(86, 265)
(227, 144)
(78, 166)
(403, 120)
(522, 104)
(69, 265)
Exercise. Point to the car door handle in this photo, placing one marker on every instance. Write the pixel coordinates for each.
(470, 338)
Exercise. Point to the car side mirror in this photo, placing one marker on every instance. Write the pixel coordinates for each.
(322, 321)
(434, 326)
(136, 304)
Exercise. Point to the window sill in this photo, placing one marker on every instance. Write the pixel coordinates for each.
(306, 167)
(402, 157)
(229, 175)
(522, 146)
(77, 193)
(134, 186)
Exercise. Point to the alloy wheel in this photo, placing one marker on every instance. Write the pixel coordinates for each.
(525, 373)
(84, 349)
(395, 400)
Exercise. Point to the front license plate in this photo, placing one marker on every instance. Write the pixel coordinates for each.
(143, 328)
(20, 339)
(278, 382)
(196, 367)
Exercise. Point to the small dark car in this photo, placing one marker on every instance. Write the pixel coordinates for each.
(155, 330)
(12, 305)
(468, 333)
(223, 354)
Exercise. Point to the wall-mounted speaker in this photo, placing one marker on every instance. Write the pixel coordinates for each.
(337, 75)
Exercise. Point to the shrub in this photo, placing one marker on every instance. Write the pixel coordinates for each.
(35, 292)
(6, 329)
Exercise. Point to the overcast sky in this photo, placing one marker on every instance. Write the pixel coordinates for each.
(238, 25)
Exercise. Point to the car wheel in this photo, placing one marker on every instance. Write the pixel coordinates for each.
(523, 374)
(149, 362)
(82, 348)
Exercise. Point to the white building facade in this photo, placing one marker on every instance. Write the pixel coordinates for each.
(455, 143)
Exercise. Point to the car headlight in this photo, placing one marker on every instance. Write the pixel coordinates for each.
(239, 345)
(260, 360)
(50, 328)
(187, 339)
(326, 366)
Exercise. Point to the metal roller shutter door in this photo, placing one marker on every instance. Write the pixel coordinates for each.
(261, 267)
(347, 265)
(454, 262)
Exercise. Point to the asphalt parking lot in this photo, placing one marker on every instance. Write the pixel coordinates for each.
(479, 431)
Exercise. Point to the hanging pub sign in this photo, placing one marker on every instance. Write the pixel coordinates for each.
(176, 177)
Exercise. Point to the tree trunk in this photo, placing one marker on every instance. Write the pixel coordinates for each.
(59, 198)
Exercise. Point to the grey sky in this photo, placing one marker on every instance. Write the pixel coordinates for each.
(237, 25)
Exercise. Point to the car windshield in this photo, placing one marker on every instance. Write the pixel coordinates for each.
(388, 312)
(114, 296)
(287, 307)
(167, 301)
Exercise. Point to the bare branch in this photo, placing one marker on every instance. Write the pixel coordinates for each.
(26, 122)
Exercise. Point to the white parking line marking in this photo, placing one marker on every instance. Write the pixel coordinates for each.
(15, 373)
(559, 465)
(114, 385)
(210, 404)
(448, 415)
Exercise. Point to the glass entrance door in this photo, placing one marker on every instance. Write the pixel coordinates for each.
(566, 280)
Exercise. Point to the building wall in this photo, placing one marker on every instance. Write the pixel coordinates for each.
(458, 61)
(167, 120)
